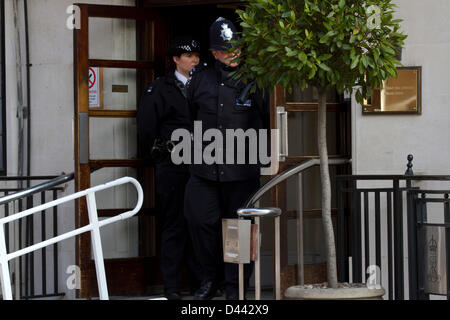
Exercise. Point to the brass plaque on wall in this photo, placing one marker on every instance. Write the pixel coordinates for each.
(119, 88)
(399, 95)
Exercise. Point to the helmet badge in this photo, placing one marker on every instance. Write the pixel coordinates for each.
(226, 33)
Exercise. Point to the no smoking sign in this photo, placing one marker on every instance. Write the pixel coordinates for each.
(94, 87)
(92, 77)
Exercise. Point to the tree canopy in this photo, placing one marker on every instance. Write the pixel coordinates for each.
(324, 43)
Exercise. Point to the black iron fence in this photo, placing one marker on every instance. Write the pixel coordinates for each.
(373, 230)
(35, 268)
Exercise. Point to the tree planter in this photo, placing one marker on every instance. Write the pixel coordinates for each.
(358, 291)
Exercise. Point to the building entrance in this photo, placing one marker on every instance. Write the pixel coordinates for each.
(128, 45)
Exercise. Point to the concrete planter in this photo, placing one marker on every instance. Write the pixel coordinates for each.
(358, 292)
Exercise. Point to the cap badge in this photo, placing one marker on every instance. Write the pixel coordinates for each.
(226, 33)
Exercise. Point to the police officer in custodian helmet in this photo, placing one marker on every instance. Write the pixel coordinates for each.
(162, 109)
(217, 190)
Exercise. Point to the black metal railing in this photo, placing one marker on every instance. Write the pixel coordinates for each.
(367, 242)
(14, 200)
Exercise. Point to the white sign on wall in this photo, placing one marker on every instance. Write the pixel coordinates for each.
(95, 88)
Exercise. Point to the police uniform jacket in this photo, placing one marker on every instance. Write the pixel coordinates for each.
(162, 109)
(213, 99)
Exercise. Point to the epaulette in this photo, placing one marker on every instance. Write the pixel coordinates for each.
(198, 68)
(151, 88)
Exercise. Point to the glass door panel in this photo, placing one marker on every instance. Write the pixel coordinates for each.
(112, 39)
(302, 133)
(112, 138)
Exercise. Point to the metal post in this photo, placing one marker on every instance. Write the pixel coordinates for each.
(412, 246)
(409, 171)
(4, 273)
(447, 239)
(359, 271)
(356, 233)
(398, 241)
(421, 219)
(366, 233)
(97, 247)
(31, 238)
(300, 254)
(17, 263)
(378, 231)
(241, 277)
(258, 261)
(277, 259)
(55, 246)
(340, 246)
(241, 281)
(389, 236)
(43, 251)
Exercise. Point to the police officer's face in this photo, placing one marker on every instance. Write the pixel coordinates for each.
(227, 57)
(186, 62)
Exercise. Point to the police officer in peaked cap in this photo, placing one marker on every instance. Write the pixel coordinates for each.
(162, 109)
(215, 191)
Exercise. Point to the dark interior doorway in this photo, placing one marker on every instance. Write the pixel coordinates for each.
(195, 20)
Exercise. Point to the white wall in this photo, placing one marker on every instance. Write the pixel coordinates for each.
(381, 143)
(52, 103)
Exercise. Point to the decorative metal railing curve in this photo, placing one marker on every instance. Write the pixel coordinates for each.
(289, 173)
(93, 226)
(250, 211)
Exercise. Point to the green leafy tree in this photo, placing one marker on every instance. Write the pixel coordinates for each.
(328, 44)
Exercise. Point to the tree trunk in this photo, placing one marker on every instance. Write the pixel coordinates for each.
(326, 188)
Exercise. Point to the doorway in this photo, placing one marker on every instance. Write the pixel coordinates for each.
(122, 48)
(301, 113)
(195, 20)
(153, 25)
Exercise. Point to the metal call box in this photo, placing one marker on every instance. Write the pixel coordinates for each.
(236, 240)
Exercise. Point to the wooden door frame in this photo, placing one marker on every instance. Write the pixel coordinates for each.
(84, 165)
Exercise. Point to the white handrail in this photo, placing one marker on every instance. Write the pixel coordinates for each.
(93, 226)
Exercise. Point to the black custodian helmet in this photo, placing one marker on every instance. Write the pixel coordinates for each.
(183, 44)
(221, 32)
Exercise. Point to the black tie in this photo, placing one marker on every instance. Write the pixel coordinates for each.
(181, 86)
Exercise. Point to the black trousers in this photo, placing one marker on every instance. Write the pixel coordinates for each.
(175, 241)
(206, 203)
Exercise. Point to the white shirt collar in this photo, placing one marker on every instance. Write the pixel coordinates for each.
(181, 77)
